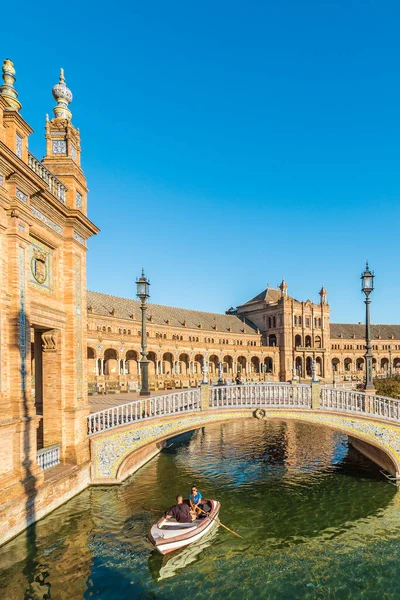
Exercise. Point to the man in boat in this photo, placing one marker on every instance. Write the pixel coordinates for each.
(181, 512)
(195, 500)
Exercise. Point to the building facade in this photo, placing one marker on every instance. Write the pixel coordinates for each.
(43, 232)
(59, 341)
(271, 337)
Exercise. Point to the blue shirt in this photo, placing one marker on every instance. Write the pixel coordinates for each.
(196, 497)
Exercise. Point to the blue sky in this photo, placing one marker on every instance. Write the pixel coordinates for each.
(228, 143)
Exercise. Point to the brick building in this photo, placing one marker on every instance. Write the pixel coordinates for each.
(55, 337)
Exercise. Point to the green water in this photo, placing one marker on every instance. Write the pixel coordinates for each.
(317, 520)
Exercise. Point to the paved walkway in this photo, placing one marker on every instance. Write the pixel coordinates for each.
(102, 401)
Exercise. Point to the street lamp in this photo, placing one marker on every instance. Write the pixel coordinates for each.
(143, 292)
(367, 286)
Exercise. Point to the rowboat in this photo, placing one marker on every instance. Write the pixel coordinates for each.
(165, 566)
(168, 535)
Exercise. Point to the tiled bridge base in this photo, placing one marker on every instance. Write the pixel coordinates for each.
(118, 453)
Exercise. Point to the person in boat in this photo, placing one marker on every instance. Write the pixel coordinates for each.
(181, 512)
(195, 500)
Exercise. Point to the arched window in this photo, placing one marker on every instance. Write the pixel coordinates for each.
(274, 321)
(269, 322)
(297, 341)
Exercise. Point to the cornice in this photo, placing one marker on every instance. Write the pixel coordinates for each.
(22, 171)
(13, 115)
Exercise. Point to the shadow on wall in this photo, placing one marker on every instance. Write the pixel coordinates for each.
(22, 339)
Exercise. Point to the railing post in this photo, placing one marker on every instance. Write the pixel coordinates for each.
(204, 396)
(315, 395)
(369, 401)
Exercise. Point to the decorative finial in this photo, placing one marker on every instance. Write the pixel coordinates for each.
(283, 287)
(63, 97)
(323, 293)
(7, 89)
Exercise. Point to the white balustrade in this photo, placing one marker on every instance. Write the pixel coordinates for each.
(48, 457)
(55, 186)
(359, 402)
(260, 394)
(143, 409)
(257, 395)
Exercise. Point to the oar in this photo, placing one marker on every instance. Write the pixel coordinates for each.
(153, 510)
(218, 521)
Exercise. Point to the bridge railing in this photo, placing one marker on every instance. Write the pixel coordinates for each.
(141, 410)
(359, 402)
(265, 394)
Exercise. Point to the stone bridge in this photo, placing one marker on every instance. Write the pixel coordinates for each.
(124, 437)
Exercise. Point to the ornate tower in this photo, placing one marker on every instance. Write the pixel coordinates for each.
(283, 287)
(323, 294)
(63, 148)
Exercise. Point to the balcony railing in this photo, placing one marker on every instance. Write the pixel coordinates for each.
(48, 457)
(54, 185)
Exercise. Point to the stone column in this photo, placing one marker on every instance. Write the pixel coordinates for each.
(52, 388)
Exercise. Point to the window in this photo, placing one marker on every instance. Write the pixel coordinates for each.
(299, 320)
(294, 320)
(307, 322)
(78, 200)
(269, 322)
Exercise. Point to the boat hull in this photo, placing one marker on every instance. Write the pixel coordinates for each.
(168, 536)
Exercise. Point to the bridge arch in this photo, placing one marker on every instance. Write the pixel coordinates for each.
(120, 451)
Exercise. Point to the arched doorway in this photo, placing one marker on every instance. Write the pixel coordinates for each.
(309, 366)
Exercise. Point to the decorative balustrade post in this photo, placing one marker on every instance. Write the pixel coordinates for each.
(204, 396)
(315, 388)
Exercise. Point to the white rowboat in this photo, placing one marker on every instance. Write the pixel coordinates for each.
(168, 535)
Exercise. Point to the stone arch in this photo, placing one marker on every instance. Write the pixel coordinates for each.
(91, 363)
(241, 364)
(198, 364)
(299, 365)
(348, 363)
(297, 341)
(255, 364)
(317, 342)
(152, 358)
(168, 364)
(396, 365)
(360, 364)
(131, 446)
(111, 362)
(307, 341)
(318, 361)
(268, 364)
(132, 361)
(272, 340)
(309, 366)
(184, 363)
(213, 362)
(384, 364)
(335, 365)
(228, 365)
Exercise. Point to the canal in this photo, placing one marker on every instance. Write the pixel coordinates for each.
(318, 521)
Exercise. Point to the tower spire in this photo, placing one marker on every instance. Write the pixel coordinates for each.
(63, 97)
(7, 90)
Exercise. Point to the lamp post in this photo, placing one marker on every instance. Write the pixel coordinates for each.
(367, 286)
(143, 292)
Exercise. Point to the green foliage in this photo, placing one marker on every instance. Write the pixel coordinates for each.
(388, 387)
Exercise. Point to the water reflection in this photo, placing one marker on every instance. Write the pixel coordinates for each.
(314, 516)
